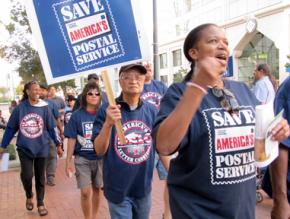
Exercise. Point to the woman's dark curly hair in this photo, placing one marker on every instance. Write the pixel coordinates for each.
(91, 85)
(27, 86)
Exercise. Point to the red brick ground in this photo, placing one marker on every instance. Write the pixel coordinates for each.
(63, 200)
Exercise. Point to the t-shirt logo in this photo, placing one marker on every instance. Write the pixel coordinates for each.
(231, 145)
(67, 117)
(85, 141)
(31, 125)
(152, 97)
(138, 143)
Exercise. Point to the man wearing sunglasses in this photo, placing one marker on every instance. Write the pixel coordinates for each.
(128, 168)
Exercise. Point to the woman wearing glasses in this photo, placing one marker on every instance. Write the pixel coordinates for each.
(211, 123)
(88, 165)
(35, 124)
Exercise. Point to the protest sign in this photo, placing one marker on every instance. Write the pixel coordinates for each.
(76, 37)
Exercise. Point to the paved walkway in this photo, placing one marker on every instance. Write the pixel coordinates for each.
(63, 200)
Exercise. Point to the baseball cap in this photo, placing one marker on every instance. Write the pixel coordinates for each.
(93, 76)
(137, 67)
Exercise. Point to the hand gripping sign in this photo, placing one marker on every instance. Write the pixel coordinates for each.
(76, 37)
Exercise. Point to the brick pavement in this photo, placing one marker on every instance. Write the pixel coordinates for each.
(63, 200)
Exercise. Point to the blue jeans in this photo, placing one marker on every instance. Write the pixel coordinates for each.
(162, 172)
(131, 208)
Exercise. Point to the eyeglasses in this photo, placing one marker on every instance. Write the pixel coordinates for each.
(227, 100)
(132, 77)
(93, 94)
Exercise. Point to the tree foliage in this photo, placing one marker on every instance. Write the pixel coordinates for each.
(179, 75)
(19, 47)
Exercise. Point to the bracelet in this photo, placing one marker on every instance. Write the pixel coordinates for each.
(192, 84)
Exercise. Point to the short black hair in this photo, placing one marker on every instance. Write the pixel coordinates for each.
(93, 76)
(43, 86)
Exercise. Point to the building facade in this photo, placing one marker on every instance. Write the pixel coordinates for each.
(258, 31)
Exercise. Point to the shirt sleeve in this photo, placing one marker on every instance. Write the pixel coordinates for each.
(12, 127)
(70, 130)
(99, 121)
(51, 127)
(260, 91)
(282, 101)
(55, 111)
(168, 104)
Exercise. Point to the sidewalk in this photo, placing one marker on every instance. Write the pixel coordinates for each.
(63, 200)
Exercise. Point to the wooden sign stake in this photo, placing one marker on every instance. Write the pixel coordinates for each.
(112, 101)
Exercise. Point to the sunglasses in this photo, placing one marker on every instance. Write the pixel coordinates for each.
(93, 94)
(227, 100)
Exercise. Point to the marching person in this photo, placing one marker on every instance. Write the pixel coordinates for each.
(153, 92)
(87, 164)
(265, 84)
(51, 160)
(211, 126)
(36, 125)
(277, 186)
(95, 78)
(128, 168)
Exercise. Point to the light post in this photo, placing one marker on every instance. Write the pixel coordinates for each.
(155, 42)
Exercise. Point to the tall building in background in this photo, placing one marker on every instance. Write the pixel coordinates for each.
(258, 31)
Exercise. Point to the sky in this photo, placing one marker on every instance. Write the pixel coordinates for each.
(7, 69)
(145, 11)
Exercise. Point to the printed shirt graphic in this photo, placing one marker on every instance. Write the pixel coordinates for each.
(138, 142)
(89, 32)
(230, 145)
(85, 140)
(128, 168)
(80, 127)
(31, 125)
(215, 165)
(153, 92)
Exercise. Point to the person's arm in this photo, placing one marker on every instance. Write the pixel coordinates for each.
(207, 72)
(165, 161)
(70, 150)
(178, 121)
(101, 142)
(279, 171)
(52, 131)
(60, 127)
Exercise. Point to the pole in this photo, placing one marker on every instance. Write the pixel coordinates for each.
(111, 100)
(155, 42)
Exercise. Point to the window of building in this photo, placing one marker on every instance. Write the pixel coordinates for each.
(181, 7)
(176, 56)
(163, 60)
(178, 30)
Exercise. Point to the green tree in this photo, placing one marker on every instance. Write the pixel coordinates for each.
(19, 49)
(178, 77)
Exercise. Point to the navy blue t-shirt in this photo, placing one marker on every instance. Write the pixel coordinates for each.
(67, 116)
(34, 124)
(80, 127)
(53, 107)
(213, 175)
(128, 168)
(153, 92)
(282, 101)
